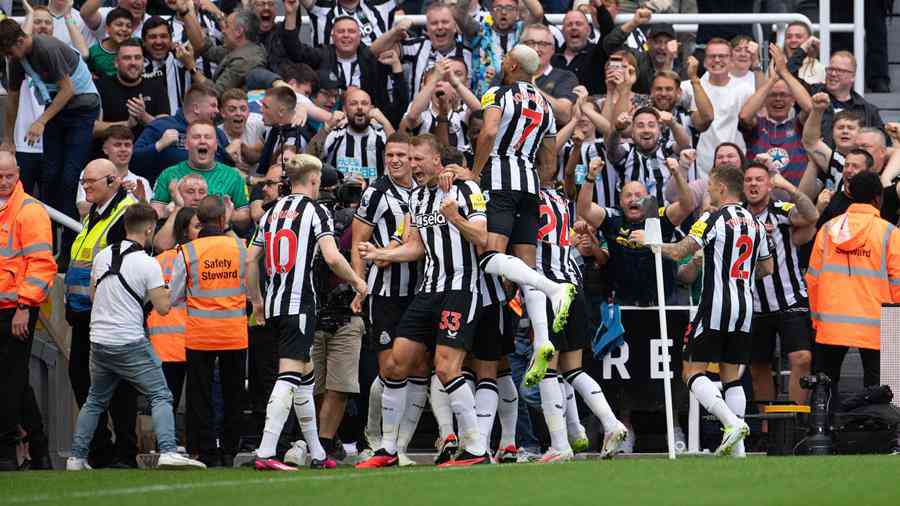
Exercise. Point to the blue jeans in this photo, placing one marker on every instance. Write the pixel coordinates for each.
(137, 364)
(518, 364)
(67, 149)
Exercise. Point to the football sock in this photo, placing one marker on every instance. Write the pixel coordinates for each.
(440, 406)
(573, 421)
(517, 271)
(373, 421)
(469, 375)
(416, 395)
(305, 408)
(711, 399)
(593, 396)
(536, 305)
(554, 409)
(463, 403)
(393, 402)
(507, 408)
(277, 412)
(736, 400)
(486, 399)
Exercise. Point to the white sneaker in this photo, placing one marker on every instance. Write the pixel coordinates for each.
(76, 464)
(172, 460)
(403, 460)
(524, 456)
(553, 456)
(297, 454)
(733, 436)
(613, 441)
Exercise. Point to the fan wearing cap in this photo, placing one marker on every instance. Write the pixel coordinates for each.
(658, 53)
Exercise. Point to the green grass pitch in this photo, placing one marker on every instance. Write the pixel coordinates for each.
(846, 480)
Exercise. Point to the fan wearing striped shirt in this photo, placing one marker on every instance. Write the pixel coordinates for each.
(290, 235)
(445, 228)
(828, 160)
(736, 253)
(780, 305)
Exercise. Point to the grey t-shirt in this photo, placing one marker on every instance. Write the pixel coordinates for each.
(53, 60)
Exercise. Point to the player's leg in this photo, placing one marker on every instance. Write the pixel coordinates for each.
(507, 412)
(797, 341)
(341, 380)
(487, 351)
(385, 314)
(447, 442)
(103, 384)
(762, 348)
(553, 408)
(735, 356)
(416, 396)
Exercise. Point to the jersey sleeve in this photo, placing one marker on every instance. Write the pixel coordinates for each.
(703, 231)
(153, 277)
(367, 212)
(259, 237)
(783, 211)
(322, 223)
(472, 201)
(493, 97)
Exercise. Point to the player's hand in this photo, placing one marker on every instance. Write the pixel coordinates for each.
(368, 251)
(693, 65)
(824, 198)
(595, 167)
(666, 118)
(357, 304)
(359, 285)
(35, 133)
(20, 324)
(259, 313)
(821, 102)
(449, 208)
(446, 179)
(623, 122)
(637, 236)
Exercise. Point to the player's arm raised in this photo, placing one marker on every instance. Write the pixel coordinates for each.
(585, 208)
(677, 212)
(815, 147)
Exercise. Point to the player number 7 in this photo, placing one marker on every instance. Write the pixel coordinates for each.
(532, 120)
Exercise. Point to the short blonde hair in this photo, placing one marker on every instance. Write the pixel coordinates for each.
(299, 167)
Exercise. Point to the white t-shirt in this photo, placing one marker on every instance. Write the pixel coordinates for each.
(727, 102)
(749, 79)
(116, 317)
(131, 176)
(29, 110)
(62, 33)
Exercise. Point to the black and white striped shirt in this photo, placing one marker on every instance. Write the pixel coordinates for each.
(650, 170)
(833, 176)
(352, 152)
(733, 241)
(554, 237)
(384, 206)
(375, 17)
(289, 232)
(606, 186)
(526, 120)
(785, 286)
(457, 129)
(451, 262)
(418, 55)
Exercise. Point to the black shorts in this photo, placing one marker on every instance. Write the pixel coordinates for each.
(716, 346)
(446, 318)
(385, 314)
(295, 334)
(578, 330)
(495, 333)
(793, 325)
(513, 214)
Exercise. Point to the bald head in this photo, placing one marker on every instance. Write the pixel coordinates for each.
(9, 174)
(100, 181)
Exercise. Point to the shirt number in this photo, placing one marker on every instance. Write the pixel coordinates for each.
(532, 120)
(745, 247)
(274, 261)
(552, 222)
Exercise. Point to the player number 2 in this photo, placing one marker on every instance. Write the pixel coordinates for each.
(745, 247)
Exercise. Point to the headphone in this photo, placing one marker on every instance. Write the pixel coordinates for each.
(110, 180)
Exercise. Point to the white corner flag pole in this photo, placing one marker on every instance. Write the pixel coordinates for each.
(653, 238)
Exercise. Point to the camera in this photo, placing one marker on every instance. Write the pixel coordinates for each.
(819, 441)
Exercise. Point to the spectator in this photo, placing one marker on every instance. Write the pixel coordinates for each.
(727, 97)
(66, 22)
(418, 54)
(119, 348)
(118, 144)
(353, 142)
(828, 160)
(666, 96)
(496, 38)
(242, 127)
(186, 193)
(95, 16)
(655, 55)
(235, 59)
(777, 131)
(745, 67)
(28, 259)
(162, 143)
(223, 180)
(102, 226)
(102, 56)
(301, 78)
(558, 85)
(272, 34)
(839, 77)
(802, 50)
(621, 75)
(578, 54)
(64, 86)
(282, 136)
(127, 98)
(160, 61)
(375, 17)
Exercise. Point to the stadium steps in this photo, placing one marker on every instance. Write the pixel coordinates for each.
(889, 103)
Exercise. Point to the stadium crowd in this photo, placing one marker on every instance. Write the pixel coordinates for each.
(256, 207)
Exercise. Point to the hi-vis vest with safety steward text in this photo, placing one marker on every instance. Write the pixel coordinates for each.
(216, 294)
(167, 332)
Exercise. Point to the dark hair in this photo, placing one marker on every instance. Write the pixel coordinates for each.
(197, 92)
(117, 132)
(646, 110)
(802, 24)
(478, 115)
(130, 43)
(756, 165)
(10, 33)
(182, 224)
(870, 162)
(667, 74)
(119, 13)
(154, 22)
(450, 154)
(732, 145)
(284, 96)
(138, 216)
(848, 115)
(300, 72)
(729, 175)
(865, 187)
(210, 209)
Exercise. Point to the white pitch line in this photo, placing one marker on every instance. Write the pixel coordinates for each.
(219, 484)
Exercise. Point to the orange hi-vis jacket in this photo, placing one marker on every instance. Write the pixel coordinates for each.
(167, 332)
(27, 267)
(216, 293)
(854, 269)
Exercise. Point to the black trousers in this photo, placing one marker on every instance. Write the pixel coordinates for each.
(829, 359)
(14, 357)
(122, 407)
(263, 371)
(201, 432)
